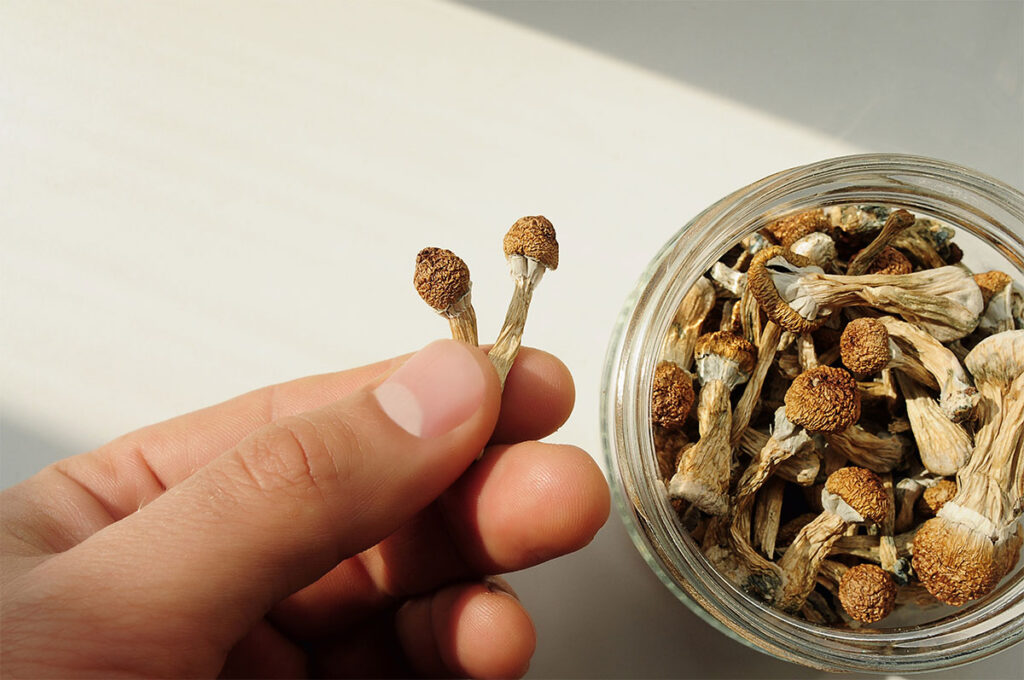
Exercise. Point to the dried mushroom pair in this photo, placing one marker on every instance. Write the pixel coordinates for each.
(857, 438)
(442, 280)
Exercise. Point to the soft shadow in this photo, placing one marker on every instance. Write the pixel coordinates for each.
(602, 613)
(944, 79)
(24, 451)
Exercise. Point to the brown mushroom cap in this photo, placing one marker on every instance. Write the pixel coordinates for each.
(957, 564)
(823, 399)
(937, 495)
(729, 345)
(890, 261)
(672, 396)
(791, 228)
(862, 490)
(762, 287)
(441, 277)
(534, 237)
(991, 283)
(864, 346)
(867, 593)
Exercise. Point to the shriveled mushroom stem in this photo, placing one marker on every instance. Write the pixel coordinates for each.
(876, 452)
(867, 547)
(896, 223)
(786, 441)
(943, 445)
(801, 467)
(957, 394)
(702, 476)
(462, 320)
(767, 513)
(506, 346)
(767, 346)
(888, 553)
(806, 352)
(946, 301)
(802, 559)
(729, 279)
(686, 326)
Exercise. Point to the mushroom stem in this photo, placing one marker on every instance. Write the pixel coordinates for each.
(767, 514)
(766, 348)
(724, 360)
(685, 329)
(894, 224)
(800, 468)
(876, 452)
(943, 445)
(957, 396)
(531, 249)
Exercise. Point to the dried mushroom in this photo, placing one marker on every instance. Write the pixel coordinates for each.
(884, 393)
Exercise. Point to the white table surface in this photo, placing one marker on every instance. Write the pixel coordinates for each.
(200, 198)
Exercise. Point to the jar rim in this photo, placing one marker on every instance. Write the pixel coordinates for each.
(963, 197)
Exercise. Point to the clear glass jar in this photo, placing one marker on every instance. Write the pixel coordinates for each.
(989, 217)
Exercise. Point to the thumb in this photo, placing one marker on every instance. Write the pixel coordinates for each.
(300, 495)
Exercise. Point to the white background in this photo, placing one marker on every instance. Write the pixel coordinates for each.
(200, 198)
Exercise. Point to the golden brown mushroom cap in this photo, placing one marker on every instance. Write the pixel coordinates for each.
(937, 495)
(729, 345)
(867, 593)
(991, 283)
(890, 262)
(862, 490)
(762, 287)
(789, 229)
(441, 277)
(864, 346)
(823, 399)
(533, 237)
(957, 564)
(672, 396)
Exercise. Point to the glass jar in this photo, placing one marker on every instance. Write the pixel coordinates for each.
(989, 217)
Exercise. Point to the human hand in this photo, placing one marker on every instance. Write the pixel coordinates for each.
(335, 525)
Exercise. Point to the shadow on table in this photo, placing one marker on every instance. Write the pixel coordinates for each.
(602, 613)
(909, 77)
(24, 451)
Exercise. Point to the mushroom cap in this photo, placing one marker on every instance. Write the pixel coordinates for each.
(791, 228)
(991, 283)
(862, 490)
(823, 399)
(728, 345)
(937, 495)
(533, 237)
(441, 277)
(958, 564)
(864, 346)
(890, 261)
(762, 287)
(672, 396)
(867, 593)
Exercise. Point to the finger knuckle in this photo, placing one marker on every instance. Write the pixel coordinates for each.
(291, 455)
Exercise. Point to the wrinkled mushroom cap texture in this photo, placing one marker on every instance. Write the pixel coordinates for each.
(728, 345)
(761, 285)
(534, 237)
(862, 490)
(867, 593)
(823, 399)
(937, 495)
(672, 396)
(957, 564)
(890, 262)
(789, 229)
(991, 283)
(441, 277)
(864, 346)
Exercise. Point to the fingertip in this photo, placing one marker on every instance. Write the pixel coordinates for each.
(468, 630)
(538, 398)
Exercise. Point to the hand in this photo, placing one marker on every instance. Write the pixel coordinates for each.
(334, 525)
